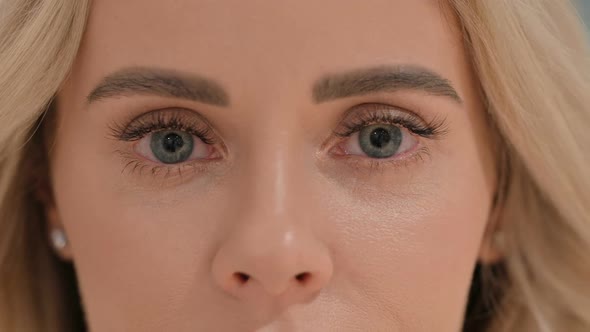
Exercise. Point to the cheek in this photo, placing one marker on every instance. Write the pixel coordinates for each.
(412, 250)
(134, 249)
(145, 254)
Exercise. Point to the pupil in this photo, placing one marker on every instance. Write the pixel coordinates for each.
(173, 142)
(380, 137)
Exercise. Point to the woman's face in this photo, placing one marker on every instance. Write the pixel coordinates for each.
(272, 166)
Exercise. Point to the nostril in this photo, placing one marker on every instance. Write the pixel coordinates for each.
(303, 277)
(242, 277)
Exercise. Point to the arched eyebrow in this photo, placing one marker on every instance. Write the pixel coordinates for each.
(382, 79)
(190, 86)
(161, 82)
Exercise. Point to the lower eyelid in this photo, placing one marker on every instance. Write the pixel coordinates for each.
(400, 156)
(161, 175)
(408, 159)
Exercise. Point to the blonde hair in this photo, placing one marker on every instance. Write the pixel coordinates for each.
(533, 63)
(38, 44)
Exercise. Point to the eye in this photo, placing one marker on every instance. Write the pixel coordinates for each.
(379, 141)
(173, 147)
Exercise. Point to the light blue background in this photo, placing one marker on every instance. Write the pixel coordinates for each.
(586, 11)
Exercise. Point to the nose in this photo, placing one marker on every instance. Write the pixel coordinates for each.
(274, 265)
(271, 254)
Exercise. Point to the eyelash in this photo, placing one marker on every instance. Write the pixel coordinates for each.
(354, 120)
(160, 120)
(369, 114)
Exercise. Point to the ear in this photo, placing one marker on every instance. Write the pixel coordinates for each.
(492, 244)
(38, 168)
(54, 225)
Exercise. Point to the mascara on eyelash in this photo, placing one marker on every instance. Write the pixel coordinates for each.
(159, 121)
(434, 129)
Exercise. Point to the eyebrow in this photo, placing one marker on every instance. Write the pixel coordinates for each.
(382, 79)
(170, 83)
(161, 82)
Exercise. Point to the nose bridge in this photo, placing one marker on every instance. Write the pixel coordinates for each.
(271, 225)
(271, 250)
(274, 173)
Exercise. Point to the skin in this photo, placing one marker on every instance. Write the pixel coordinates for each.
(382, 246)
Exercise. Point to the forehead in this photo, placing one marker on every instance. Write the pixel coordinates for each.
(263, 44)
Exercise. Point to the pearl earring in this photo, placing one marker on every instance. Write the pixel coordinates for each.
(59, 239)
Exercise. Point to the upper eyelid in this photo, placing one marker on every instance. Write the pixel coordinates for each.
(356, 116)
(359, 110)
(177, 111)
(190, 117)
